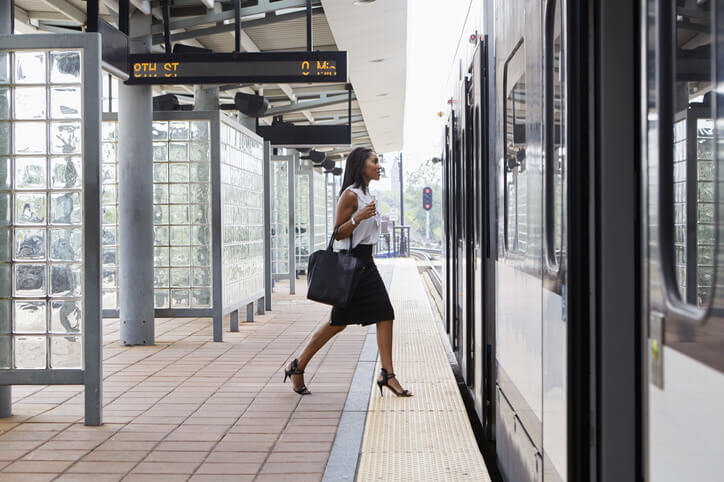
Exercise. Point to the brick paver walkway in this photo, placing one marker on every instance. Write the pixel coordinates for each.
(191, 409)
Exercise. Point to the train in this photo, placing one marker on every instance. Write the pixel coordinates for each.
(583, 297)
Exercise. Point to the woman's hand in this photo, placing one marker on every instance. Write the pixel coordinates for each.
(366, 212)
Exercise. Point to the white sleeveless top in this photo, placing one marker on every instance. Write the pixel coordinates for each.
(367, 230)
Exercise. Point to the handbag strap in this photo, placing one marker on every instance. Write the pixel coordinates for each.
(331, 240)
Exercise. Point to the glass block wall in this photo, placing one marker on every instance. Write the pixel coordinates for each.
(109, 218)
(181, 215)
(705, 207)
(680, 204)
(320, 210)
(242, 219)
(41, 215)
(302, 221)
(280, 218)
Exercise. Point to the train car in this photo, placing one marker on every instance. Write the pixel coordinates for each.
(582, 235)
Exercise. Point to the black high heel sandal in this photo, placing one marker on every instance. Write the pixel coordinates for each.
(293, 370)
(385, 383)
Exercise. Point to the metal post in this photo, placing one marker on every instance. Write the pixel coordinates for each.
(292, 226)
(260, 306)
(206, 98)
(427, 226)
(6, 27)
(234, 321)
(309, 25)
(402, 200)
(135, 118)
(267, 226)
(250, 312)
(237, 26)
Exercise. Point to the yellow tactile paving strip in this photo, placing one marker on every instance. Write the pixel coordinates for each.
(426, 437)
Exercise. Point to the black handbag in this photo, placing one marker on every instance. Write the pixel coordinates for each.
(332, 276)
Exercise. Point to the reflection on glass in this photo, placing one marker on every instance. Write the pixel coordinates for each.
(65, 137)
(30, 317)
(29, 67)
(30, 172)
(66, 351)
(65, 208)
(4, 103)
(65, 316)
(65, 67)
(65, 102)
(29, 103)
(29, 244)
(65, 280)
(65, 172)
(30, 208)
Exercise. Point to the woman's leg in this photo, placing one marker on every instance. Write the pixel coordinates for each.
(323, 334)
(384, 345)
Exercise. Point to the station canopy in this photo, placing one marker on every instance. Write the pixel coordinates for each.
(373, 33)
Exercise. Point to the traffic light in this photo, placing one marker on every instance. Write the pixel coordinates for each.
(426, 198)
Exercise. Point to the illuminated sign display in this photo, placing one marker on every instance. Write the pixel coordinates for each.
(258, 67)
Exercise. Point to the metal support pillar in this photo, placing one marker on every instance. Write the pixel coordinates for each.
(6, 27)
(267, 226)
(292, 226)
(250, 312)
(135, 186)
(206, 98)
(260, 306)
(402, 195)
(234, 321)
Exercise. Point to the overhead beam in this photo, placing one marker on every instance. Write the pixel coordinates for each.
(306, 105)
(142, 5)
(67, 9)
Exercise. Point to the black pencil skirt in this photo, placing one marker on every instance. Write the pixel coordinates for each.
(370, 301)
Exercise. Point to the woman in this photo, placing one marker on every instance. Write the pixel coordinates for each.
(357, 218)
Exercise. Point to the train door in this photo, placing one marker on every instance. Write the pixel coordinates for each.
(683, 279)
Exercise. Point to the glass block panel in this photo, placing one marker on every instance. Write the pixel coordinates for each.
(110, 299)
(160, 152)
(199, 193)
(178, 152)
(30, 280)
(65, 137)
(200, 214)
(160, 173)
(109, 278)
(65, 67)
(178, 130)
(201, 276)
(30, 208)
(199, 172)
(30, 138)
(178, 193)
(160, 237)
(30, 172)
(5, 169)
(201, 256)
(108, 194)
(66, 351)
(65, 280)
(5, 313)
(160, 193)
(66, 172)
(180, 277)
(4, 67)
(29, 103)
(161, 299)
(199, 151)
(180, 298)
(65, 316)
(65, 102)
(30, 244)
(109, 214)
(65, 208)
(5, 138)
(30, 317)
(6, 245)
(108, 174)
(161, 256)
(159, 131)
(200, 298)
(5, 280)
(161, 277)
(180, 235)
(178, 172)
(30, 67)
(180, 256)
(109, 131)
(5, 352)
(4, 103)
(30, 352)
(109, 236)
(160, 214)
(5, 209)
(200, 235)
(179, 214)
(199, 130)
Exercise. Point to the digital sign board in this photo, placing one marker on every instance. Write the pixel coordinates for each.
(247, 67)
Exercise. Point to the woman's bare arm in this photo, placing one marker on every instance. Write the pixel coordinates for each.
(346, 207)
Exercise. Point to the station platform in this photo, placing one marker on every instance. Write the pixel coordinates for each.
(191, 409)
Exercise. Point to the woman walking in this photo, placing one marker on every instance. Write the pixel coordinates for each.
(358, 223)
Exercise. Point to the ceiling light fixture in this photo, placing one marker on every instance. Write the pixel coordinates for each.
(376, 61)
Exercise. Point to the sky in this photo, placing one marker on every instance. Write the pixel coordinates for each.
(434, 29)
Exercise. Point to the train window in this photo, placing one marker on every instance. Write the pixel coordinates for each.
(555, 137)
(687, 142)
(514, 169)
